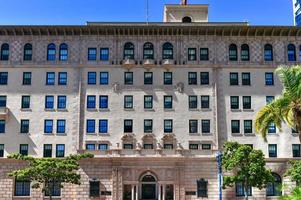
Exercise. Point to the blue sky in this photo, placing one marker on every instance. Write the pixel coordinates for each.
(77, 12)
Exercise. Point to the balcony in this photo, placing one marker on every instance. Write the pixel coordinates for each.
(4, 113)
(167, 63)
(148, 63)
(128, 63)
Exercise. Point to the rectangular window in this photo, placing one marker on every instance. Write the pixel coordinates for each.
(22, 188)
(192, 78)
(61, 102)
(202, 188)
(193, 102)
(25, 102)
(167, 102)
(1, 150)
(103, 126)
(269, 78)
(48, 126)
(47, 151)
(90, 126)
(128, 78)
(103, 147)
(103, 102)
(104, 78)
(2, 101)
(92, 52)
(240, 191)
(26, 78)
(204, 54)
(296, 150)
(2, 126)
(148, 78)
(3, 78)
(272, 128)
(91, 101)
(128, 146)
(246, 102)
(167, 78)
(168, 146)
(24, 149)
(60, 150)
(94, 188)
(62, 80)
(91, 78)
(205, 102)
(24, 126)
(168, 125)
(205, 126)
(272, 150)
(128, 102)
(128, 126)
(204, 78)
(55, 189)
(206, 146)
(49, 102)
(148, 126)
(61, 126)
(193, 146)
(248, 126)
(50, 78)
(104, 54)
(246, 78)
(148, 102)
(193, 126)
(148, 146)
(191, 54)
(269, 99)
(235, 126)
(90, 147)
(234, 101)
(233, 78)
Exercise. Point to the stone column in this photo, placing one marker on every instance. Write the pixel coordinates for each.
(136, 193)
(159, 192)
(133, 192)
(163, 195)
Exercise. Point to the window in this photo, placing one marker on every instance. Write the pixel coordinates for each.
(296, 150)
(48, 126)
(193, 126)
(103, 126)
(240, 191)
(148, 78)
(148, 126)
(204, 78)
(49, 102)
(128, 146)
(47, 151)
(61, 102)
(233, 78)
(186, 19)
(22, 188)
(272, 150)
(204, 54)
(202, 188)
(128, 126)
(299, 59)
(167, 102)
(2, 101)
(129, 51)
(4, 54)
(272, 128)
(246, 102)
(104, 78)
(27, 54)
(274, 188)
(94, 188)
(148, 146)
(25, 104)
(50, 78)
(90, 126)
(2, 126)
(92, 53)
(269, 99)
(91, 101)
(206, 146)
(148, 51)
(103, 147)
(291, 53)
(168, 126)
(167, 78)
(193, 102)
(26, 78)
(1, 150)
(205, 126)
(168, 146)
(234, 101)
(62, 80)
(235, 126)
(268, 52)
(3, 78)
(167, 52)
(51, 52)
(103, 102)
(24, 149)
(128, 78)
(60, 150)
(248, 126)
(233, 52)
(192, 78)
(61, 126)
(55, 189)
(128, 102)
(246, 78)
(269, 78)
(193, 146)
(205, 102)
(63, 52)
(245, 52)
(191, 54)
(24, 126)
(91, 78)
(104, 54)
(90, 147)
(148, 102)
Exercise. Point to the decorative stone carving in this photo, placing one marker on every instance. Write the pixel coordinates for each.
(180, 87)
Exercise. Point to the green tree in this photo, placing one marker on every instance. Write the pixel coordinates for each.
(42, 171)
(246, 166)
(287, 107)
(295, 195)
(294, 172)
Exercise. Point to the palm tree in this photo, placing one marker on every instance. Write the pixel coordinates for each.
(287, 107)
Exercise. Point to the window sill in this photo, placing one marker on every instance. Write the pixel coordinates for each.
(26, 110)
(49, 134)
(235, 110)
(104, 134)
(169, 109)
(129, 109)
(248, 110)
(49, 109)
(237, 134)
(206, 109)
(104, 109)
(149, 110)
(61, 134)
(62, 110)
(194, 134)
(194, 109)
(249, 134)
(91, 134)
(207, 134)
(91, 109)
(22, 197)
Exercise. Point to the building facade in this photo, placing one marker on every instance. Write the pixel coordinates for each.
(153, 102)
(297, 12)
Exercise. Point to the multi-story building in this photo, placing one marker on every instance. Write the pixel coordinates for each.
(297, 12)
(153, 102)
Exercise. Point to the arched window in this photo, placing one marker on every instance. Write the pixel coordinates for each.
(186, 19)
(274, 188)
(63, 54)
(4, 51)
(291, 52)
(129, 51)
(245, 52)
(148, 51)
(27, 52)
(51, 51)
(233, 52)
(268, 52)
(148, 178)
(167, 51)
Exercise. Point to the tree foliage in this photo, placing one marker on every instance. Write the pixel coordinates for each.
(246, 166)
(294, 172)
(295, 195)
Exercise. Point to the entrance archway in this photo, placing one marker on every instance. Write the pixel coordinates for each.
(148, 187)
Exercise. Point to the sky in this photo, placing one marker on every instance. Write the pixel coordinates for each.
(78, 12)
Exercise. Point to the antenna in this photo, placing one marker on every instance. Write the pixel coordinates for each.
(147, 11)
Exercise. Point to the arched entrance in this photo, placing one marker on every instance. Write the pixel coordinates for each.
(148, 187)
